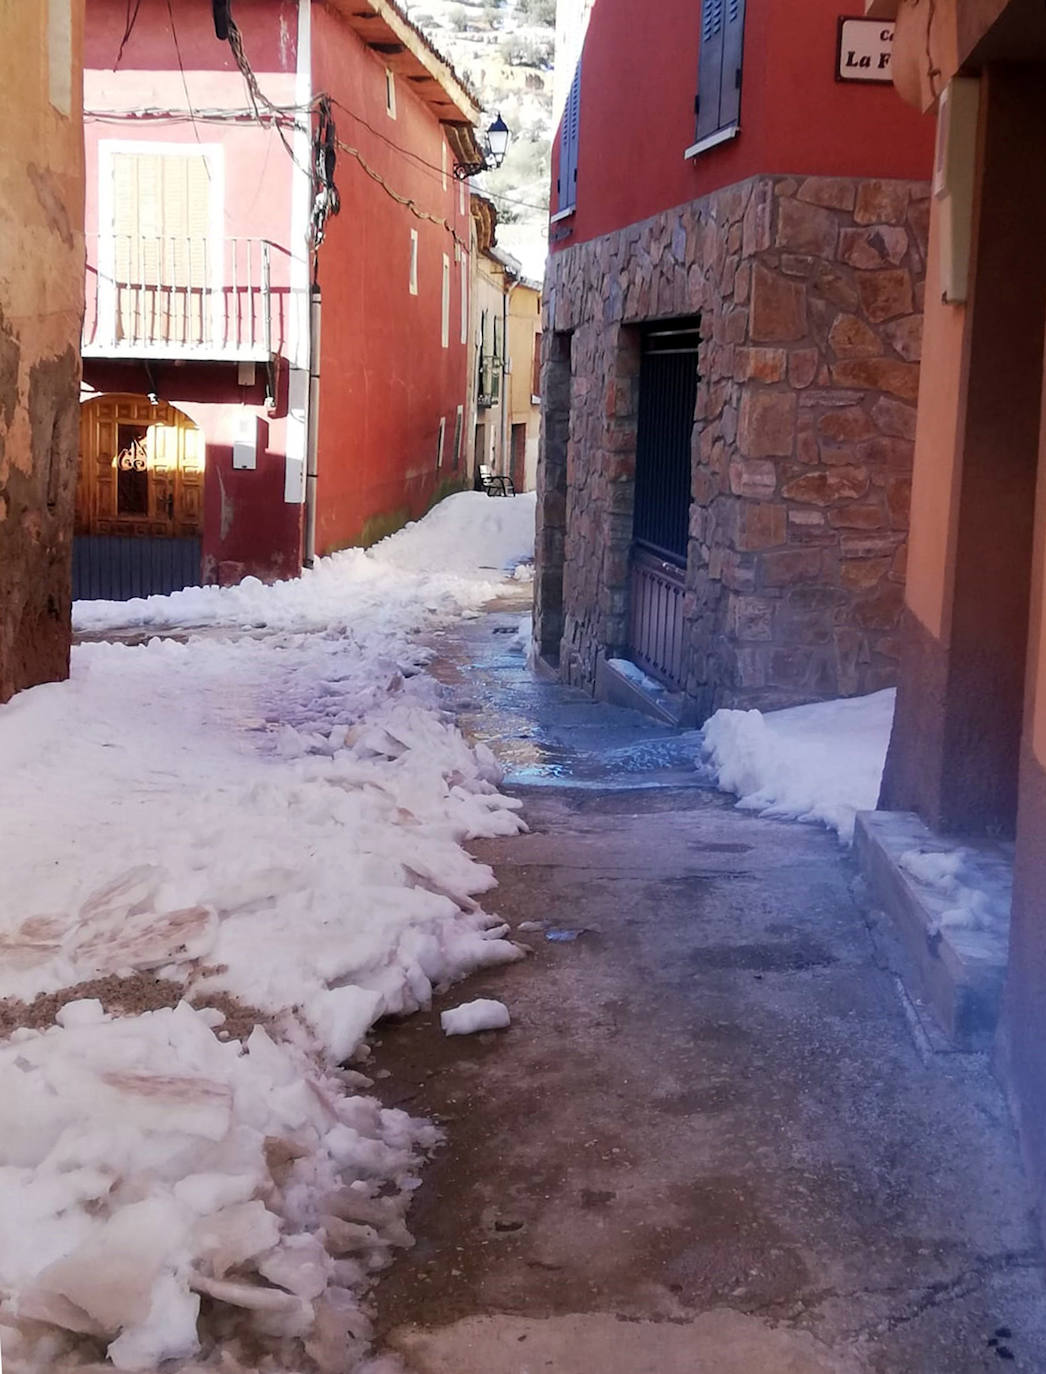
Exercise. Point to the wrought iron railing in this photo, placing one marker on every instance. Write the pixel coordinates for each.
(657, 628)
(178, 296)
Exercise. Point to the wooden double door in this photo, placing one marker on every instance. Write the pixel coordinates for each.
(141, 470)
(139, 500)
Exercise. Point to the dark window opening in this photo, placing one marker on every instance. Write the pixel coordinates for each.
(667, 399)
(132, 470)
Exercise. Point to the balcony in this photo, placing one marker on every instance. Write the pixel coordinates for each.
(489, 382)
(178, 297)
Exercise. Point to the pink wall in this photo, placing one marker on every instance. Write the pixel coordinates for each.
(386, 379)
(248, 525)
(639, 79)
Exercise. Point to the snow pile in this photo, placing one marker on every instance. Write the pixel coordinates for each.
(810, 763)
(481, 1015)
(146, 1166)
(271, 815)
(972, 896)
(462, 549)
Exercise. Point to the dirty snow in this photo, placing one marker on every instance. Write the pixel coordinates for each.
(820, 763)
(272, 808)
(972, 893)
(481, 1015)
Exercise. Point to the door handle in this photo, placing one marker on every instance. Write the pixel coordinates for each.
(169, 505)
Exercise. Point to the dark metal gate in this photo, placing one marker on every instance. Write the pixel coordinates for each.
(111, 567)
(667, 397)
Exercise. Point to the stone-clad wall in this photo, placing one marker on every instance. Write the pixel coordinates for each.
(810, 296)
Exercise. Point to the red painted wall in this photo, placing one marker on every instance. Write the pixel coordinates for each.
(386, 380)
(249, 528)
(638, 83)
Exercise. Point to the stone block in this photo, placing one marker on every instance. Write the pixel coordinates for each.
(761, 525)
(857, 517)
(760, 364)
(827, 486)
(883, 245)
(750, 617)
(833, 193)
(850, 337)
(802, 367)
(862, 574)
(906, 336)
(753, 477)
(849, 425)
(789, 667)
(878, 374)
(881, 202)
(751, 667)
(887, 454)
(766, 427)
(899, 501)
(867, 545)
(894, 417)
(881, 611)
(778, 310)
(885, 295)
(738, 571)
(806, 228)
(899, 566)
(786, 567)
(807, 450)
(835, 285)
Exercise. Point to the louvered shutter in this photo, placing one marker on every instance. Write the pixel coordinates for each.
(710, 68)
(733, 56)
(568, 146)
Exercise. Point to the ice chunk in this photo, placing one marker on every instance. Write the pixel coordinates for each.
(234, 1235)
(83, 1011)
(168, 1333)
(341, 1018)
(481, 1015)
(300, 1264)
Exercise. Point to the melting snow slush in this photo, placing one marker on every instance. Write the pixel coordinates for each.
(269, 816)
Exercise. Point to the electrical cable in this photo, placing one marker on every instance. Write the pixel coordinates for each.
(131, 20)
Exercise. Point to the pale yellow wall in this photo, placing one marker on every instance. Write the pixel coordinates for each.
(524, 327)
(936, 475)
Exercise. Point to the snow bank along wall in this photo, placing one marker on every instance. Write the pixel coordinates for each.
(801, 244)
(41, 308)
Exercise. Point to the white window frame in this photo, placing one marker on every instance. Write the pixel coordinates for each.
(464, 296)
(459, 430)
(390, 93)
(441, 440)
(214, 156)
(445, 313)
(413, 277)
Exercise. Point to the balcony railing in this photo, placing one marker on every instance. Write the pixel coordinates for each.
(177, 296)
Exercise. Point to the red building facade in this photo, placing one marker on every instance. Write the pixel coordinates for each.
(732, 340)
(274, 361)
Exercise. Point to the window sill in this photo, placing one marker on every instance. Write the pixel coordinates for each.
(562, 214)
(712, 141)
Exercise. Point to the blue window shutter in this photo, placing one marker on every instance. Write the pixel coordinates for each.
(733, 55)
(568, 146)
(710, 67)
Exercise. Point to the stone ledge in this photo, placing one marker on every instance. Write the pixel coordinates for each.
(637, 692)
(958, 972)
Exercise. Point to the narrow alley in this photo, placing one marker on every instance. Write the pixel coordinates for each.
(715, 1137)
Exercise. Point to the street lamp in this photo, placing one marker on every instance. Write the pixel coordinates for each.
(493, 149)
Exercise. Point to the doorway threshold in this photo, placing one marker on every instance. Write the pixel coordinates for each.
(621, 683)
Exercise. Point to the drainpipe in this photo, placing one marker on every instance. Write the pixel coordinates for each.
(311, 446)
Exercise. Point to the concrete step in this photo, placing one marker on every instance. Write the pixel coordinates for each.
(948, 902)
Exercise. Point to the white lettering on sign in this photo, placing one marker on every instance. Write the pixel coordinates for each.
(865, 49)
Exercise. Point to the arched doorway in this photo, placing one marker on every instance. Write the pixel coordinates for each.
(139, 499)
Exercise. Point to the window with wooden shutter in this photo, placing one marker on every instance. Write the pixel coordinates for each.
(161, 242)
(566, 186)
(719, 69)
